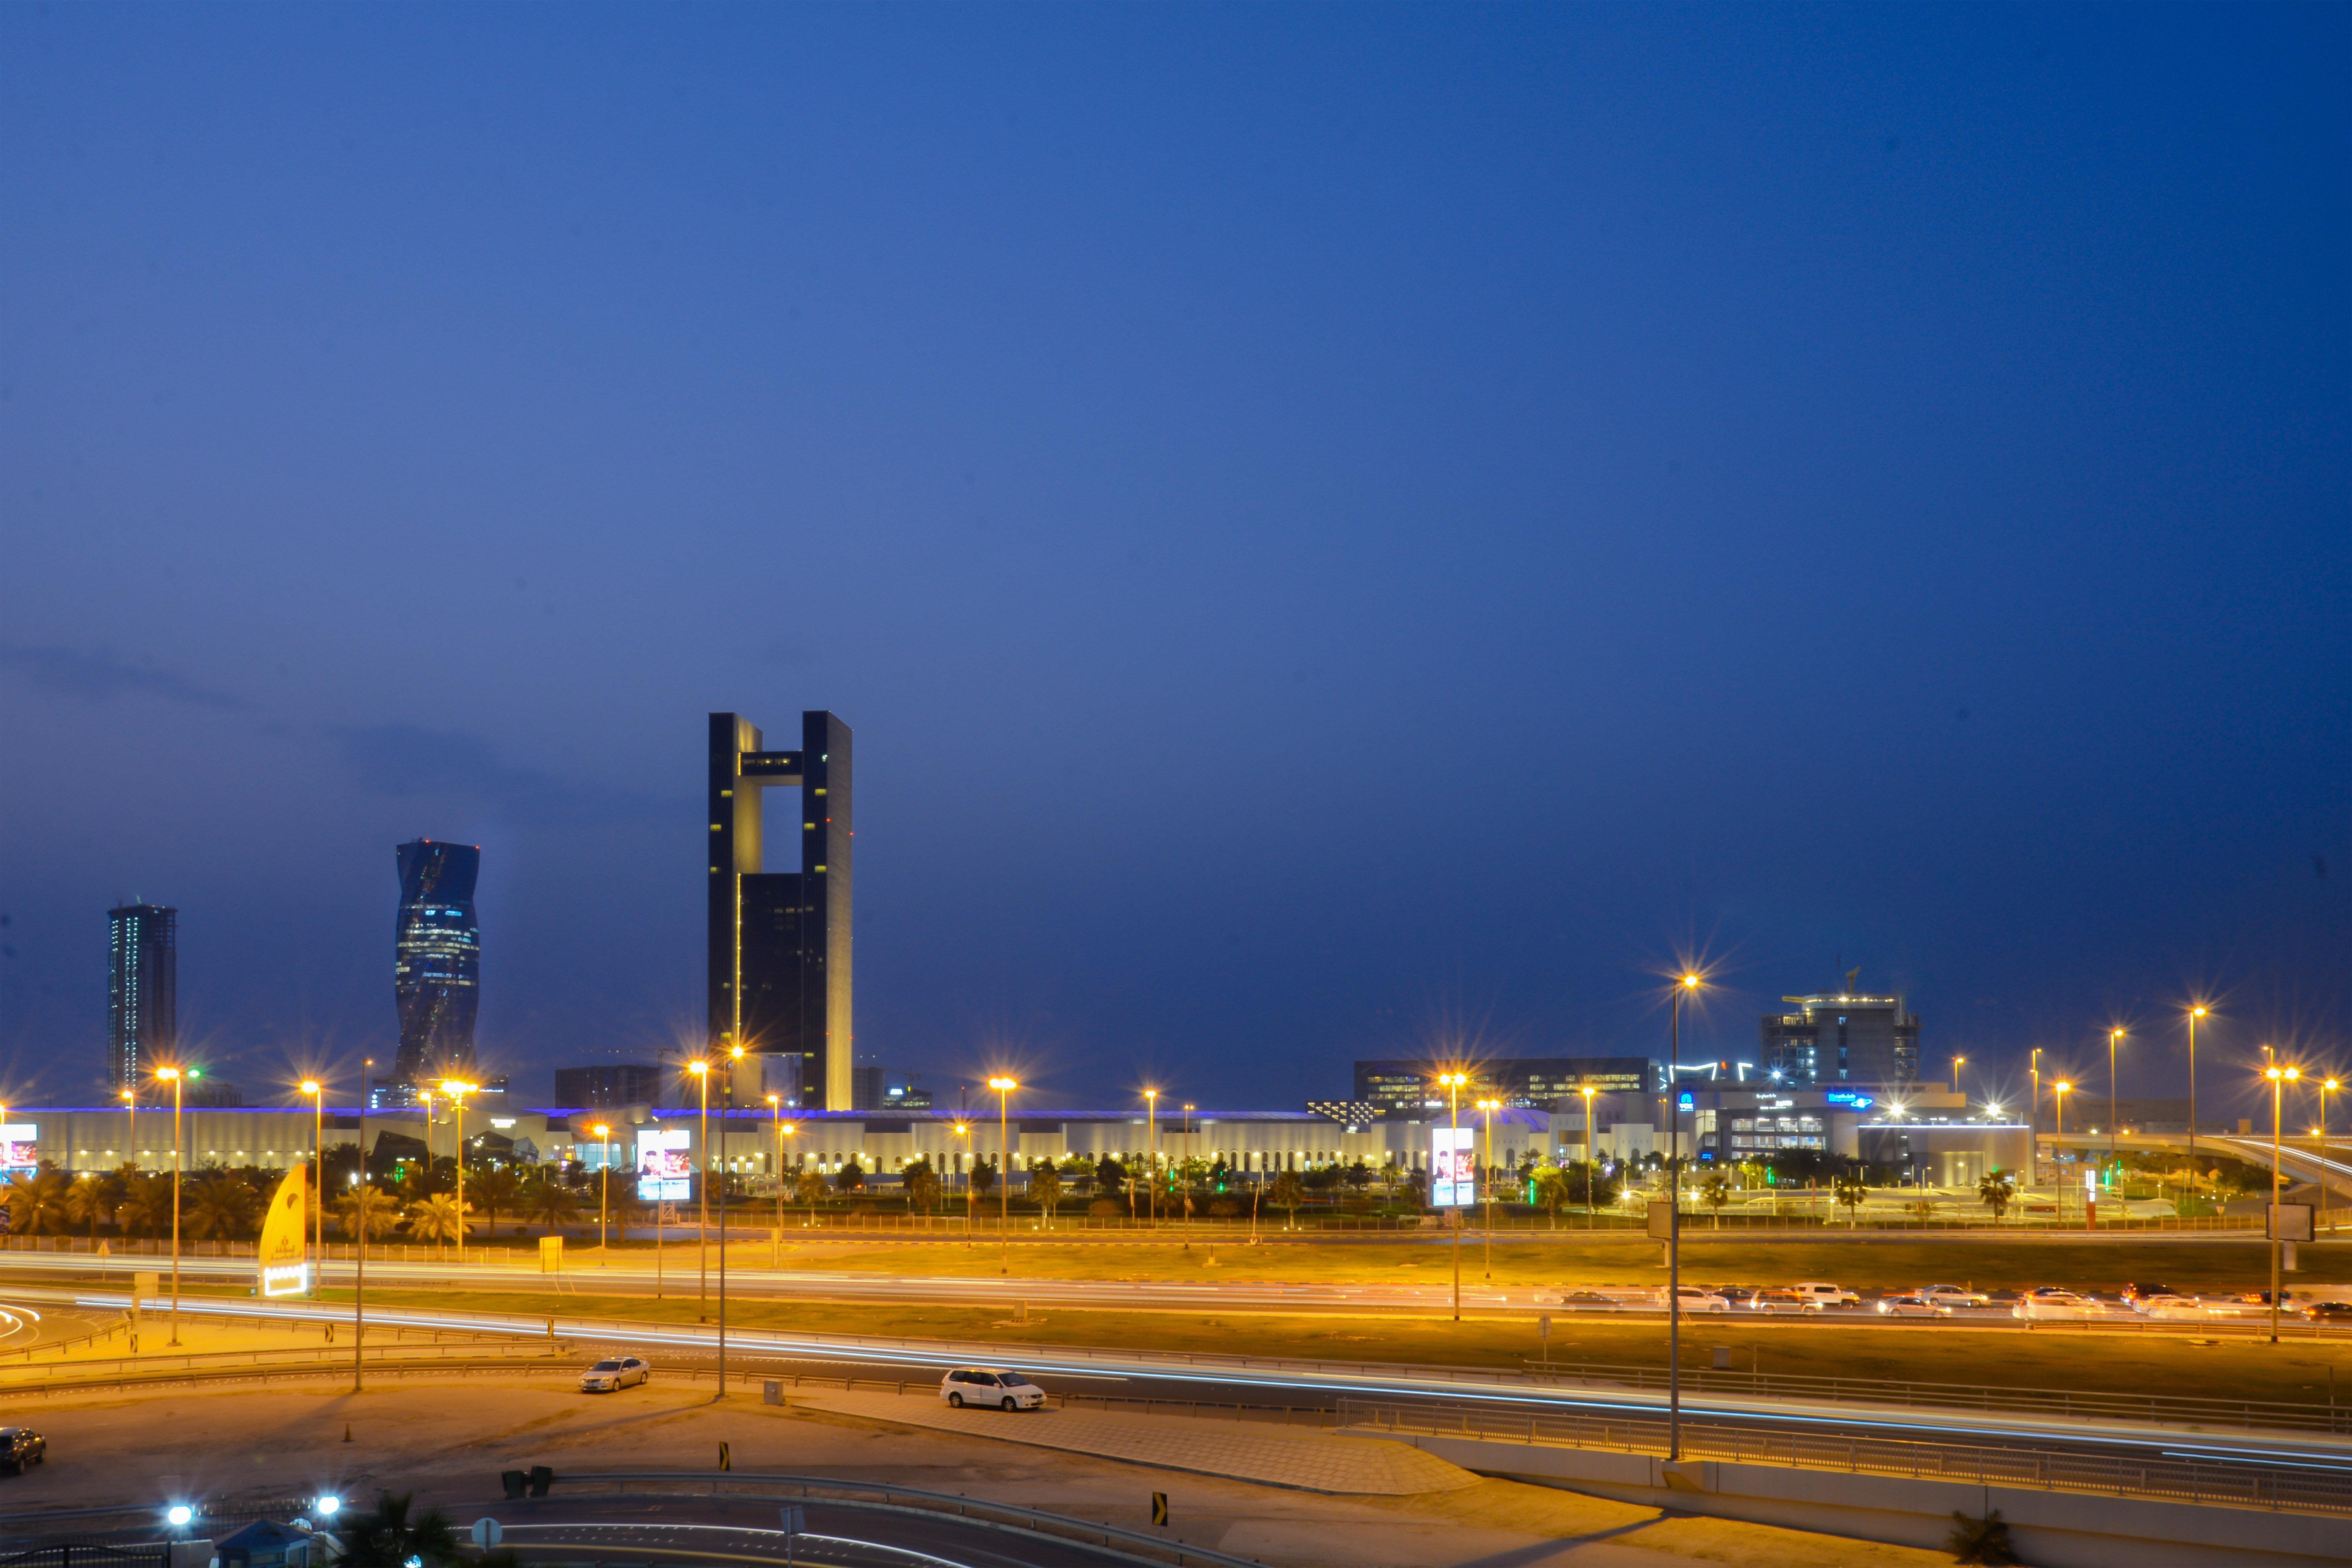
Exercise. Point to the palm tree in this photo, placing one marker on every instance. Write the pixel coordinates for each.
(1285, 1193)
(382, 1213)
(921, 1183)
(92, 1199)
(1046, 1186)
(219, 1206)
(1852, 1190)
(391, 1537)
(146, 1203)
(36, 1204)
(1716, 1192)
(499, 1187)
(1996, 1191)
(808, 1187)
(546, 1199)
(437, 1219)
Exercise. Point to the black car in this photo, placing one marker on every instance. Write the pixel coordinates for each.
(2331, 1311)
(20, 1446)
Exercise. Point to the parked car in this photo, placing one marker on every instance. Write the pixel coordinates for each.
(1908, 1306)
(989, 1385)
(1696, 1299)
(1949, 1295)
(1818, 1297)
(21, 1446)
(614, 1373)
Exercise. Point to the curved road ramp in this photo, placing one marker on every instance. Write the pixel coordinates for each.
(2064, 1508)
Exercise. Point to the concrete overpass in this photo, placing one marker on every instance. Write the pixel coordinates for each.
(2327, 1166)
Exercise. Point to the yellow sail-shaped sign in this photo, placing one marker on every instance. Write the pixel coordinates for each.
(283, 1257)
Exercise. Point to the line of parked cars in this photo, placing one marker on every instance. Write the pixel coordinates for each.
(2043, 1303)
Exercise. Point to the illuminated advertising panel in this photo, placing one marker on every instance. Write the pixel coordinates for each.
(16, 1146)
(283, 1258)
(664, 1166)
(1452, 1168)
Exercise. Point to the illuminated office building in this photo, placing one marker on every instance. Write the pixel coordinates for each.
(1841, 1038)
(436, 962)
(780, 972)
(1407, 1086)
(143, 992)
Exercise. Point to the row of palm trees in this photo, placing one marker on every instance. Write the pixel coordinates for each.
(219, 1203)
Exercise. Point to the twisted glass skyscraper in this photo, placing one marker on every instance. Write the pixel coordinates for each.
(437, 964)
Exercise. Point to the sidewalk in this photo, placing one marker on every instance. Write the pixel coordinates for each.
(1242, 1450)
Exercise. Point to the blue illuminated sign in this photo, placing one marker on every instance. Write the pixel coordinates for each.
(1687, 1101)
(1854, 1098)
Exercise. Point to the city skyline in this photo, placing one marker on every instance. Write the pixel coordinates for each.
(1341, 537)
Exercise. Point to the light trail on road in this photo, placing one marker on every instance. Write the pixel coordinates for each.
(1325, 1380)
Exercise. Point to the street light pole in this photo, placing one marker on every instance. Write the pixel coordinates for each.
(776, 1120)
(1674, 1225)
(2194, 1013)
(726, 1110)
(359, 1251)
(2326, 1087)
(458, 1091)
(1956, 1073)
(1588, 1091)
(604, 1196)
(1151, 1137)
(171, 1076)
(2280, 1078)
(1003, 1087)
(316, 1092)
(2034, 1120)
(970, 1212)
(1454, 1082)
(2115, 1113)
(1487, 1106)
(701, 1071)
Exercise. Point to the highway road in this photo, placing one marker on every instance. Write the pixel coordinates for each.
(757, 1353)
(634, 1281)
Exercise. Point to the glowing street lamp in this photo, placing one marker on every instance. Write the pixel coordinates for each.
(776, 1119)
(1956, 1073)
(1003, 1087)
(2279, 1078)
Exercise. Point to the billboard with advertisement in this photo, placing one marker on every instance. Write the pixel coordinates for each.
(18, 1150)
(282, 1258)
(665, 1164)
(1452, 1167)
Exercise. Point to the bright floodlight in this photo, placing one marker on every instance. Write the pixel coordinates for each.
(309, 1085)
(1001, 1084)
(326, 1506)
(697, 1069)
(178, 1514)
(167, 1074)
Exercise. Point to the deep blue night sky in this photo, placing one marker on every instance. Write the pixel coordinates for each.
(1337, 529)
